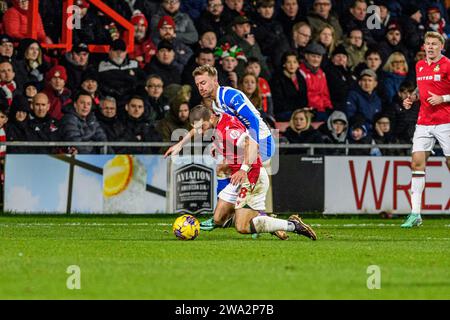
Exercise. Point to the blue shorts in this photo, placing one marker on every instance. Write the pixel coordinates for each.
(267, 148)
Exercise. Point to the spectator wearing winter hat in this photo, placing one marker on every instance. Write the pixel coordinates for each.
(164, 64)
(17, 129)
(166, 29)
(144, 48)
(339, 78)
(316, 82)
(89, 83)
(8, 86)
(118, 75)
(16, 22)
(229, 57)
(31, 89)
(184, 26)
(435, 22)
(59, 96)
(413, 29)
(358, 134)
(335, 131)
(242, 37)
(393, 42)
(76, 63)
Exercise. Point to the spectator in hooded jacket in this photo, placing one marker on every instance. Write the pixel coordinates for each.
(31, 64)
(363, 102)
(79, 124)
(301, 131)
(185, 28)
(335, 131)
(316, 82)
(57, 93)
(118, 75)
(17, 129)
(144, 48)
(288, 88)
(176, 118)
(16, 22)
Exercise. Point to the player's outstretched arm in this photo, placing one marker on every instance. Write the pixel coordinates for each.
(176, 148)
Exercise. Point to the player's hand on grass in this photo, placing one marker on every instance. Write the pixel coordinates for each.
(238, 178)
(434, 99)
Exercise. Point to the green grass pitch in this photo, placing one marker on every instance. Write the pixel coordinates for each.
(139, 258)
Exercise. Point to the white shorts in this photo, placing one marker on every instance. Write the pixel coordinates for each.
(243, 196)
(425, 138)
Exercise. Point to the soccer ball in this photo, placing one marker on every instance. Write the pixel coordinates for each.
(186, 227)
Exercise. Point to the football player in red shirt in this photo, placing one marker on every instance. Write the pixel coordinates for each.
(433, 91)
(245, 195)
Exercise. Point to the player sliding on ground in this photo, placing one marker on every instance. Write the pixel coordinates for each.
(235, 103)
(245, 195)
(433, 91)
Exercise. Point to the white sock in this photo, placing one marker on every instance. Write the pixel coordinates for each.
(265, 224)
(417, 187)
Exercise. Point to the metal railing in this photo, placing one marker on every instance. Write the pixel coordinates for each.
(105, 145)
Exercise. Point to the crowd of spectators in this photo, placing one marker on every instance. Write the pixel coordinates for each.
(334, 70)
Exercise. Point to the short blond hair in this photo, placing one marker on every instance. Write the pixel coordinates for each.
(435, 35)
(210, 70)
(390, 61)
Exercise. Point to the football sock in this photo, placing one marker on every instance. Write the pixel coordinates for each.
(265, 224)
(417, 186)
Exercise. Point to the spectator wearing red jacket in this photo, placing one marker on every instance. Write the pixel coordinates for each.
(15, 22)
(56, 91)
(144, 48)
(316, 81)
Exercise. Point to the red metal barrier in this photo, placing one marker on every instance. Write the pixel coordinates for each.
(66, 33)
